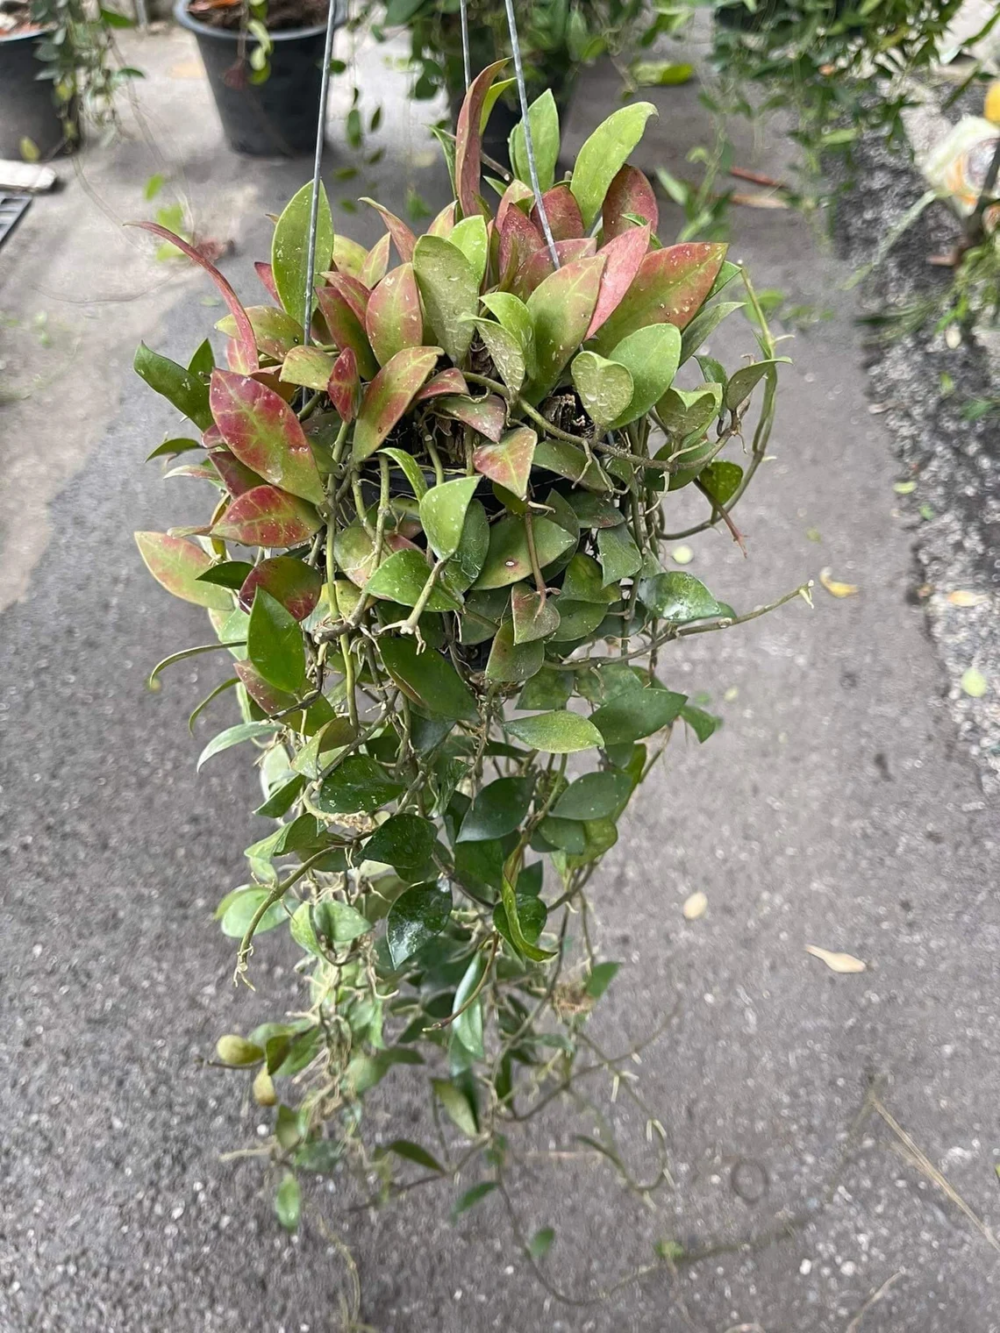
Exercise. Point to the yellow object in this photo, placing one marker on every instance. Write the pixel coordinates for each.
(991, 104)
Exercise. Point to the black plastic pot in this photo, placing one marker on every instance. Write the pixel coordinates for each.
(276, 118)
(27, 105)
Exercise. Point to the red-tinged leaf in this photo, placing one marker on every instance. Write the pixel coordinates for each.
(276, 333)
(212, 437)
(561, 309)
(397, 229)
(669, 288)
(534, 617)
(354, 552)
(347, 330)
(508, 463)
(486, 415)
(448, 381)
(291, 582)
(629, 192)
(394, 319)
(389, 395)
(538, 266)
(266, 516)
(344, 385)
(444, 222)
(308, 367)
(247, 357)
(623, 256)
(515, 192)
(176, 565)
(563, 213)
(353, 291)
(271, 379)
(373, 270)
(265, 696)
(519, 240)
(469, 139)
(348, 255)
(266, 274)
(236, 476)
(264, 433)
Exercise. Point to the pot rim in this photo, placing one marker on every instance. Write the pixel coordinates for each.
(200, 29)
(33, 35)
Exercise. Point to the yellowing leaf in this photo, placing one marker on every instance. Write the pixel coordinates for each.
(695, 906)
(965, 598)
(834, 587)
(836, 962)
(974, 683)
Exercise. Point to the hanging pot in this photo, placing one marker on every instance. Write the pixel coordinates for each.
(28, 107)
(276, 118)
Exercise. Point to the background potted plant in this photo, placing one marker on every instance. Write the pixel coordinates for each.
(264, 63)
(440, 496)
(58, 61)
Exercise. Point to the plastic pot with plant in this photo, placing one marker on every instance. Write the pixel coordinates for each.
(442, 481)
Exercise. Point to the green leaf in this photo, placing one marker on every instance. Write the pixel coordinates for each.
(514, 934)
(669, 288)
(275, 645)
(604, 154)
(460, 1112)
(543, 120)
(402, 578)
(549, 689)
(186, 391)
(341, 922)
(707, 320)
(282, 798)
(243, 731)
(237, 911)
(679, 597)
(469, 236)
(471, 1197)
(532, 915)
(313, 758)
(442, 514)
(178, 565)
(393, 319)
(357, 786)
(404, 841)
(651, 355)
(583, 581)
(289, 252)
(561, 308)
(720, 480)
(508, 462)
(450, 293)
(415, 917)
(601, 977)
(605, 387)
(498, 809)
(510, 661)
(275, 331)
(618, 554)
(701, 723)
(637, 713)
(559, 732)
(513, 315)
(308, 367)
(428, 678)
(541, 1243)
(412, 1152)
(389, 395)
(505, 352)
(468, 1026)
(534, 617)
(742, 382)
(508, 559)
(288, 1202)
(411, 470)
(594, 796)
(228, 574)
(579, 620)
(689, 412)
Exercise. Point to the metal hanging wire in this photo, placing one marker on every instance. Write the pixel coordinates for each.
(529, 148)
(324, 93)
(466, 58)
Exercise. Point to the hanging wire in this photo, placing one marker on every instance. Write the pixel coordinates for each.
(324, 91)
(466, 59)
(529, 150)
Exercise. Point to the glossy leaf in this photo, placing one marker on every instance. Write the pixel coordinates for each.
(225, 740)
(742, 382)
(508, 462)
(428, 678)
(468, 139)
(442, 514)
(508, 559)
(266, 276)
(499, 808)
(274, 644)
(389, 395)
(293, 583)
(513, 663)
(520, 238)
(583, 581)
(266, 516)
(605, 387)
(680, 598)
(651, 356)
(185, 390)
(595, 796)
(347, 328)
(623, 257)
(690, 411)
(450, 293)
(177, 565)
(561, 309)
(637, 713)
(358, 785)
(511, 312)
(348, 255)
(415, 918)
(538, 266)
(401, 579)
(466, 564)
(310, 367)
(264, 434)
(461, 1112)
(444, 382)
(533, 617)
(275, 331)
(604, 154)
(401, 234)
(505, 352)
(629, 195)
(486, 415)
(559, 732)
(549, 689)
(344, 385)
(720, 480)
(405, 841)
(670, 287)
(562, 212)
(543, 120)
(393, 318)
(289, 252)
(376, 263)
(701, 723)
(471, 238)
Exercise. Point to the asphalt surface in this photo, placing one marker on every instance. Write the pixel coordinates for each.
(835, 808)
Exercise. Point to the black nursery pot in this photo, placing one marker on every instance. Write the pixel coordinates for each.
(276, 118)
(27, 105)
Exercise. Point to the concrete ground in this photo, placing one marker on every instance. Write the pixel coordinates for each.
(835, 809)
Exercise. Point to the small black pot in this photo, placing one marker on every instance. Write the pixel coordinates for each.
(276, 118)
(27, 103)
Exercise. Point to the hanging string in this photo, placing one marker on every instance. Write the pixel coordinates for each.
(324, 91)
(529, 150)
(466, 59)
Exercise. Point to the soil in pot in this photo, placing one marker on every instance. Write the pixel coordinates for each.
(277, 117)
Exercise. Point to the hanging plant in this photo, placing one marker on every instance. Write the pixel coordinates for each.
(443, 489)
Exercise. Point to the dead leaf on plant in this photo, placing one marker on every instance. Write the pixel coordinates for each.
(834, 587)
(836, 962)
(758, 201)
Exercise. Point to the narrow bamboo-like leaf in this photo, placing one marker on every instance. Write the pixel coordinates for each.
(428, 678)
(561, 309)
(442, 514)
(543, 119)
(264, 433)
(244, 731)
(604, 154)
(393, 319)
(629, 195)
(468, 139)
(508, 462)
(450, 293)
(176, 564)
(266, 516)
(289, 252)
(390, 394)
(670, 287)
(623, 256)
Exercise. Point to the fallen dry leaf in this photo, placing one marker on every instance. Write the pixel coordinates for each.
(695, 906)
(962, 597)
(758, 200)
(835, 588)
(836, 962)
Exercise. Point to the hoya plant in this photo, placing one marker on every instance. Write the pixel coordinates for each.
(442, 472)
